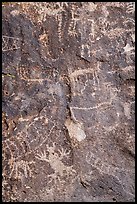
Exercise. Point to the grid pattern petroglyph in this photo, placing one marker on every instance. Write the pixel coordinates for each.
(10, 43)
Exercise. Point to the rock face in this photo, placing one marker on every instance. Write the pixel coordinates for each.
(68, 101)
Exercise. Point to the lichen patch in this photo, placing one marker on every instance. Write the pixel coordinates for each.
(75, 130)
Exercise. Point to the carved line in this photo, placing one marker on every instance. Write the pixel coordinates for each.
(130, 7)
(101, 105)
(5, 41)
(104, 167)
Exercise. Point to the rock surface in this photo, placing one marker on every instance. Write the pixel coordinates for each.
(68, 101)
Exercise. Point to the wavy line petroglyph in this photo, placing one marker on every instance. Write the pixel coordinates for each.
(130, 7)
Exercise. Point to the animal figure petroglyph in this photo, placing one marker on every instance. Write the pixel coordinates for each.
(55, 161)
(20, 168)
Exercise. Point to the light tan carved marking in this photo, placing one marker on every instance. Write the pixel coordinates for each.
(80, 72)
(106, 168)
(15, 13)
(130, 7)
(20, 168)
(132, 22)
(73, 78)
(55, 161)
(6, 46)
(115, 4)
(128, 48)
(127, 110)
(100, 105)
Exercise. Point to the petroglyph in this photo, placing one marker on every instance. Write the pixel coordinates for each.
(101, 105)
(74, 19)
(10, 43)
(25, 74)
(68, 112)
(131, 22)
(85, 48)
(20, 168)
(55, 161)
(86, 40)
(79, 25)
(44, 9)
(128, 48)
(127, 110)
(15, 13)
(130, 7)
(106, 168)
(59, 19)
(77, 88)
(115, 4)
(130, 52)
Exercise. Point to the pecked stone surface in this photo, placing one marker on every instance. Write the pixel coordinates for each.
(68, 101)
